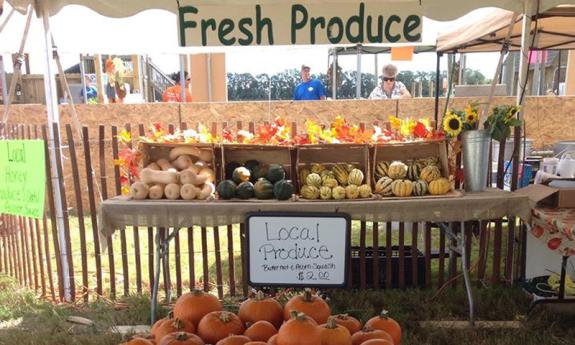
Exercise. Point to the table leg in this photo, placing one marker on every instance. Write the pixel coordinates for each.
(562, 278)
(464, 267)
(157, 278)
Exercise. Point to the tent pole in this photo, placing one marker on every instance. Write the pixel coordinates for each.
(358, 74)
(334, 75)
(437, 80)
(54, 117)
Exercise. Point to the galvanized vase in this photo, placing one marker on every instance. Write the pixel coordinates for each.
(475, 145)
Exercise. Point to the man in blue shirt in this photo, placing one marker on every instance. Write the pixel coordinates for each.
(309, 89)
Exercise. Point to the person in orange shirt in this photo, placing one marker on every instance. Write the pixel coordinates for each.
(174, 93)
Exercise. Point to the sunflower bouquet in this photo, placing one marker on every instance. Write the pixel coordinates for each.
(500, 121)
(456, 121)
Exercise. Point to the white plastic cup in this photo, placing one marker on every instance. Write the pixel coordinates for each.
(549, 165)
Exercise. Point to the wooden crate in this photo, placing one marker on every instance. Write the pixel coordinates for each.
(267, 154)
(331, 154)
(151, 152)
(409, 151)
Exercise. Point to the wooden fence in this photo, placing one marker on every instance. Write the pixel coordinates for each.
(384, 255)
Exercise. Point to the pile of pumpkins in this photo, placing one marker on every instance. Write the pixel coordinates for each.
(183, 174)
(255, 180)
(342, 181)
(416, 178)
(198, 319)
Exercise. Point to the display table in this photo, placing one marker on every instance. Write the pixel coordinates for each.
(119, 212)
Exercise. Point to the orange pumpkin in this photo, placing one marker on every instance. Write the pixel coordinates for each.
(377, 342)
(386, 323)
(368, 333)
(312, 306)
(334, 334)
(139, 341)
(260, 331)
(299, 330)
(181, 338)
(234, 340)
(351, 323)
(168, 325)
(217, 325)
(192, 306)
(261, 307)
(273, 340)
(256, 343)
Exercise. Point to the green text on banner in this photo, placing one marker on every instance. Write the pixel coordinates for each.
(22, 177)
(307, 22)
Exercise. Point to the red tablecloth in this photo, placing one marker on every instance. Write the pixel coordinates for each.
(556, 227)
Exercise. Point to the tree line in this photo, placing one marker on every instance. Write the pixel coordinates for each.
(280, 86)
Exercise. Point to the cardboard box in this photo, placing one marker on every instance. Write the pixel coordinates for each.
(550, 196)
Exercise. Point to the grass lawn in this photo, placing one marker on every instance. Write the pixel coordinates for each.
(26, 320)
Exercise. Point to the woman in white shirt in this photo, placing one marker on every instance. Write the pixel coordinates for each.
(389, 87)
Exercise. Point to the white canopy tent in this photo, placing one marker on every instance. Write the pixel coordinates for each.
(434, 9)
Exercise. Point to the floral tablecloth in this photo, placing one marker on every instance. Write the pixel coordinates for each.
(555, 227)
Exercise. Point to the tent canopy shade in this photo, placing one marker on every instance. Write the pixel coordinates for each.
(352, 50)
(555, 30)
(434, 9)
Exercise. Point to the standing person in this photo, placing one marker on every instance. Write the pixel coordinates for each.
(91, 92)
(309, 89)
(174, 93)
(389, 88)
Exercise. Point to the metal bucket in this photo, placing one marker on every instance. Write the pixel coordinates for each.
(475, 159)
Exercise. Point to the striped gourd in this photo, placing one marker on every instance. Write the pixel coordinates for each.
(440, 186)
(381, 169)
(341, 174)
(428, 161)
(402, 188)
(355, 177)
(352, 191)
(329, 181)
(326, 172)
(349, 167)
(413, 171)
(383, 186)
(313, 179)
(325, 193)
(310, 192)
(430, 173)
(397, 170)
(303, 176)
(317, 168)
(365, 191)
(420, 188)
(338, 193)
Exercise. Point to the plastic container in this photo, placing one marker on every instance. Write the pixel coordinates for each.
(566, 165)
(549, 165)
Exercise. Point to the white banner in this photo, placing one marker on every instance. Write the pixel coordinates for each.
(292, 23)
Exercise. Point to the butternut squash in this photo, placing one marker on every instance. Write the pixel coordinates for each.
(172, 191)
(156, 191)
(211, 175)
(208, 190)
(139, 190)
(165, 165)
(153, 166)
(189, 191)
(150, 176)
(190, 177)
(206, 156)
(184, 150)
(182, 162)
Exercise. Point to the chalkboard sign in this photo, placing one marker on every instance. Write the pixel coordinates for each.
(298, 249)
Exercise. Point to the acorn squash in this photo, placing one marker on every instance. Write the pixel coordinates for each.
(241, 174)
(226, 189)
(263, 189)
(245, 190)
(283, 190)
(276, 173)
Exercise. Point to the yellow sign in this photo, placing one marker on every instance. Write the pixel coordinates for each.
(289, 23)
(22, 177)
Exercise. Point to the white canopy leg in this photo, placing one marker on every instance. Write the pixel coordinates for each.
(54, 117)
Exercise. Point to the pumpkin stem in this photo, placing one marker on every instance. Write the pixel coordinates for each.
(170, 314)
(225, 317)
(197, 292)
(181, 336)
(331, 324)
(260, 296)
(384, 314)
(307, 296)
(178, 324)
(296, 315)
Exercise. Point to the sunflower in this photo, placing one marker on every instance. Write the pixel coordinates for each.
(452, 124)
(471, 115)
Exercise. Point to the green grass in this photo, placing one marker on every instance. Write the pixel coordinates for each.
(27, 320)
